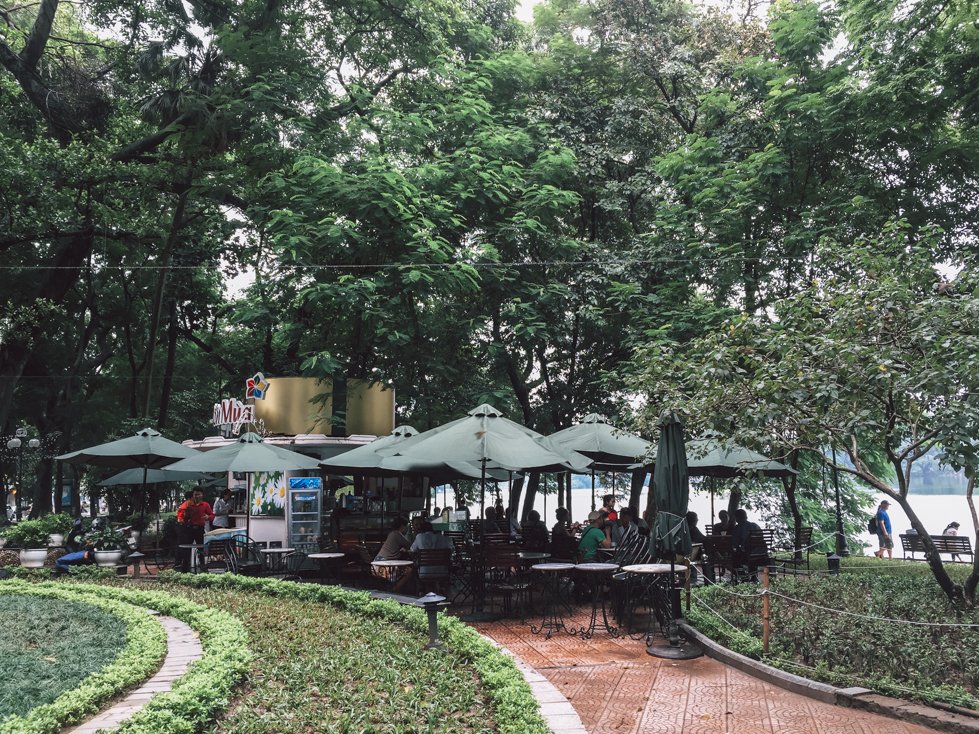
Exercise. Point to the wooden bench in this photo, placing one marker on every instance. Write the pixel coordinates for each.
(955, 545)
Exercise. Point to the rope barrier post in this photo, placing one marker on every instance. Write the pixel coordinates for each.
(765, 609)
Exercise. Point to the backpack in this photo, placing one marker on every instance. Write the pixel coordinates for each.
(872, 525)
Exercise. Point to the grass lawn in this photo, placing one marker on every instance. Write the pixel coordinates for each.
(320, 669)
(48, 646)
(853, 630)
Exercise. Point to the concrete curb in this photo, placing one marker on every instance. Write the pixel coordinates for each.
(857, 698)
(557, 711)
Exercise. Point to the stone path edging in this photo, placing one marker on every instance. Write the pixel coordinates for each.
(557, 711)
(855, 697)
(183, 649)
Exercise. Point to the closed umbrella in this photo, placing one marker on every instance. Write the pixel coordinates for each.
(248, 454)
(609, 448)
(147, 450)
(671, 487)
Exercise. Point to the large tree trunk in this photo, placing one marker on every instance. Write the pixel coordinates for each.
(973, 580)
(167, 391)
(790, 484)
(635, 490)
(533, 483)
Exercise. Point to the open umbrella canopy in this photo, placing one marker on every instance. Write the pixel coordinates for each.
(485, 436)
(672, 490)
(366, 461)
(248, 454)
(714, 456)
(153, 476)
(147, 449)
(608, 447)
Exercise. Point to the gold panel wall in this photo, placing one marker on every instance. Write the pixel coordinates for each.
(289, 407)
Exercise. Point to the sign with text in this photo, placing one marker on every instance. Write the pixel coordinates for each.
(231, 414)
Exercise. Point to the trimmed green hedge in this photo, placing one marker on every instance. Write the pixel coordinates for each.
(850, 631)
(516, 711)
(141, 656)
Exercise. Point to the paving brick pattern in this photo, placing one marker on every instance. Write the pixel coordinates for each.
(615, 687)
(183, 648)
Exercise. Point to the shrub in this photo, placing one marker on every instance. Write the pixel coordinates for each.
(106, 539)
(28, 534)
(59, 523)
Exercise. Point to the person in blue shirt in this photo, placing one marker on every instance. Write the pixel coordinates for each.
(885, 540)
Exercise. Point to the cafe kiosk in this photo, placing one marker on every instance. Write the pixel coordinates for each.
(298, 413)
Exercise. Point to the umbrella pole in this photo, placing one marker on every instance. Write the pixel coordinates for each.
(248, 506)
(142, 509)
(592, 490)
(712, 500)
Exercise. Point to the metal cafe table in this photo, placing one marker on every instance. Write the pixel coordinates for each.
(395, 566)
(274, 556)
(656, 591)
(197, 560)
(325, 559)
(596, 575)
(553, 618)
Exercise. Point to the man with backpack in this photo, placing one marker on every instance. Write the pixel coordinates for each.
(880, 523)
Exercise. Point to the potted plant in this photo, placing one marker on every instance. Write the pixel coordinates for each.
(58, 525)
(137, 523)
(108, 544)
(31, 536)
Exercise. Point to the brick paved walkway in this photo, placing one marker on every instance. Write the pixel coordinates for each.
(183, 648)
(617, 688)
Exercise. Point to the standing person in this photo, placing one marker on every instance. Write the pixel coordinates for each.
(885, 540)
(952, 529)
(222, 510)
(608, 505)
(596, 536)
(192, 516)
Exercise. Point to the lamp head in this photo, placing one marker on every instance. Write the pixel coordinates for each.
(13, 444)
(34, 443)
(21, 433)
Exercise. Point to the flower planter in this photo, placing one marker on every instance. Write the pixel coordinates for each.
(108, 558)
(56, 540)
(33, 557)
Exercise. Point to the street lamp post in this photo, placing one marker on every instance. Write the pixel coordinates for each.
(16, 444)
(841, 548)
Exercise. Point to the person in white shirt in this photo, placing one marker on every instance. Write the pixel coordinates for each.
(222, 510)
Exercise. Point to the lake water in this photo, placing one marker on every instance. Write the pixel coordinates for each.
(935, 511)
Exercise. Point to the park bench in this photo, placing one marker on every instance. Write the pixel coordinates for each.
(958, 546)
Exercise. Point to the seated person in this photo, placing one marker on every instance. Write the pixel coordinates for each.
(744, 554)
(596, 536)
(723, 525)
(428, 539)
(534, 532)
(563, 546)
(696, 536)
(563, 523)
(396, 547)
(491, 522)
(624, 528)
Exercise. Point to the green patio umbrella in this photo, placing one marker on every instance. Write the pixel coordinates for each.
(712, 455)
(672, 490)
(147, 450)
(248, 454)
(609, 448)
(150, 476)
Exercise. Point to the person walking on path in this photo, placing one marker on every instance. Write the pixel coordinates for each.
(192, 516)
(885, 541)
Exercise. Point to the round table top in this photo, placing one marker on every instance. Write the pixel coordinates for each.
(393, 563)
(276, 550)
(192, 546)
(651, 568)
(552, 566)
(597, 567)
(325, 556)
(533, 555)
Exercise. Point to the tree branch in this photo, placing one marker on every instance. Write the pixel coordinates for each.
(39, 34)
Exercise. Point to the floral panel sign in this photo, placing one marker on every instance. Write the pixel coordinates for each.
(268, 494)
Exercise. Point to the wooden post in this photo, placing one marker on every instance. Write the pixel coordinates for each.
(764, 610)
